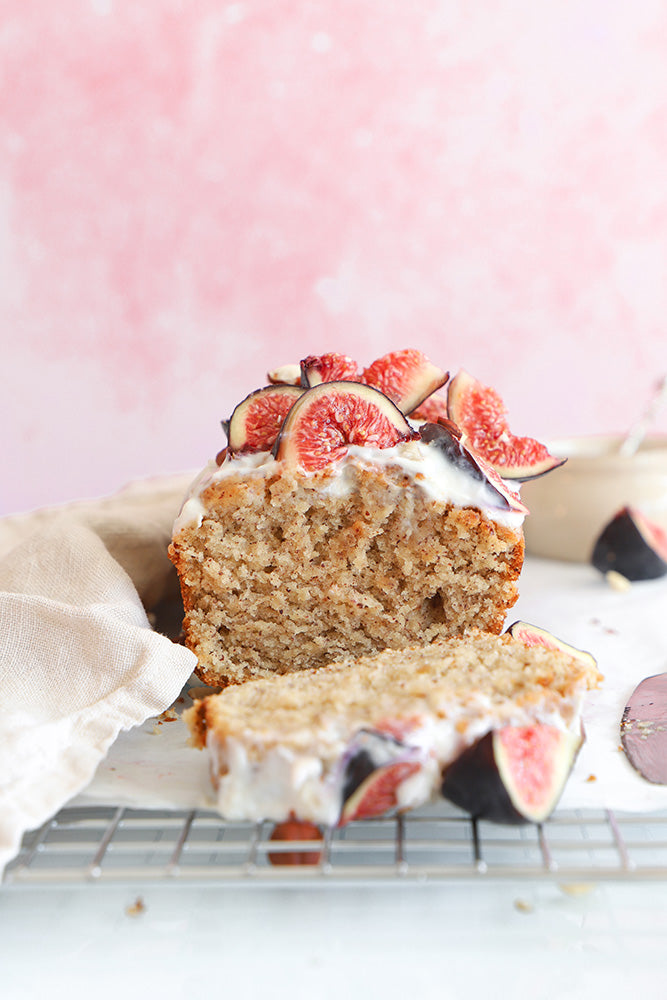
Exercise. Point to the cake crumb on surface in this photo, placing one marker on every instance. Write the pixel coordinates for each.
(136, 908)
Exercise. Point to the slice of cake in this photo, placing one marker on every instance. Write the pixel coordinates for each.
(333, 527)
(359, 737)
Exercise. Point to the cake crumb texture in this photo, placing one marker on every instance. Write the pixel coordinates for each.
(472, 676)
(284, 574)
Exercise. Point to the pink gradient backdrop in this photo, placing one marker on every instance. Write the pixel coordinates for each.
(193, 193)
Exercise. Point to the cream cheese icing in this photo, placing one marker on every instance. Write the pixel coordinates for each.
(426, 466)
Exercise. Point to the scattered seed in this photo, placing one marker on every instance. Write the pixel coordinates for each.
(576, 888)
(617, 581)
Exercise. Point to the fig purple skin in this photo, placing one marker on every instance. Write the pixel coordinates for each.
(481, 780)
(473, 783)
(369, 751)
(447, 437)
(632, 546)
(375, 765)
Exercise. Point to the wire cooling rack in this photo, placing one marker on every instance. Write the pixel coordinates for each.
(108, 845)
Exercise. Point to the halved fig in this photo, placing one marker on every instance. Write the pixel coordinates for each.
(407, 377)
(285, 375)
(447, 437)
(331, 416)
(255, 422)
(376, 765)
(331, 367)
(296, 830)
(644, 729)
(481, 414)
(531, 635)
(631, 545)
(513, 775)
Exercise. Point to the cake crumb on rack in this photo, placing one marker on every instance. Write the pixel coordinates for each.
(136, 908)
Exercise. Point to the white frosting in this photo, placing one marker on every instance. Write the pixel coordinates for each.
(283, 781)
(426, 465)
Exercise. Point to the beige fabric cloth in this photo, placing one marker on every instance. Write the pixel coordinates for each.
(135, 525)
(79, 661)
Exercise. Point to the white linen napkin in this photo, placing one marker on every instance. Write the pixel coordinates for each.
(79, 661)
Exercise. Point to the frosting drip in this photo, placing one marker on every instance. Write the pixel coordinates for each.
(426, 466)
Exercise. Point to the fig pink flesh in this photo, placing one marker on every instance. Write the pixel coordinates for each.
(530, 752)
(644, 729)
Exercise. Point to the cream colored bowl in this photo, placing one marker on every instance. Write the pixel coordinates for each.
(570, 506)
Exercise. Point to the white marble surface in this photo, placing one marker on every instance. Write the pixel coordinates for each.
(457, 941)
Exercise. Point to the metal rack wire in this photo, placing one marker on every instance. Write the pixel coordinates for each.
(108, 845)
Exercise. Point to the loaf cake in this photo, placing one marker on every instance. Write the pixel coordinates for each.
(357, 738)
(332, 526)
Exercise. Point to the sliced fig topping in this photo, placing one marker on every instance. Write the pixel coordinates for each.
(255, 422)
(513, 775)
(285, 375)
(644, 729)
(406, 377)
(332, 367)
(480, 413)
(631, 545)
(297, 830)
(331, 416)
(531, 635)
(447, 437)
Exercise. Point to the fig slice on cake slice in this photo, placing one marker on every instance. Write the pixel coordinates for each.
(632, 545)
(256, 420)
(407, 377)
(531, 635)
(481, 414)
(376, 766)
(513, 775)
(328, 417)
(377, 793)
(446, 436)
